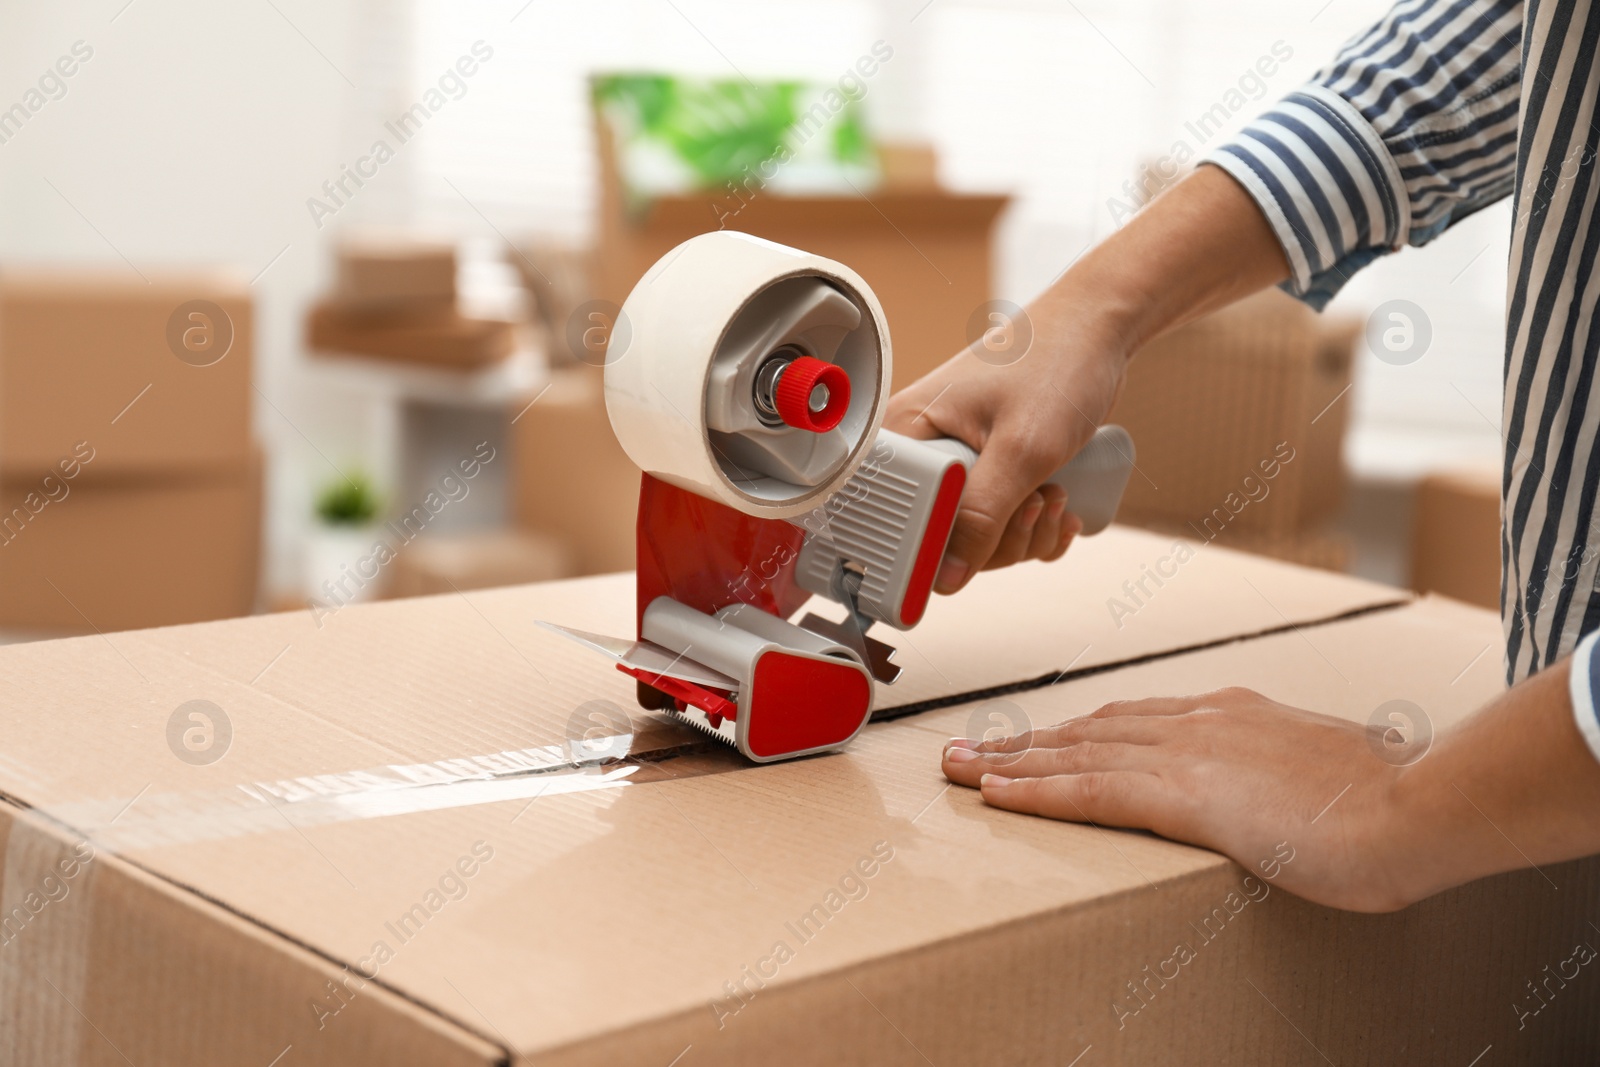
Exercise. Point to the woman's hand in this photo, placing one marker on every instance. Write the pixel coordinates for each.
(1371, 829)
(1231, 771)
(1025, 418)
(1198, 246)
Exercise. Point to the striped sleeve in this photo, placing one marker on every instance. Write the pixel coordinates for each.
(1584, 684)
(1411, 128)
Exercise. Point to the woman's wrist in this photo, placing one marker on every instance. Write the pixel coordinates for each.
(1511, 786)
(1197, 247)
(1416, 836)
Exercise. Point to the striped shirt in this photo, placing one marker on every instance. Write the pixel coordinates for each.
(1440, 109)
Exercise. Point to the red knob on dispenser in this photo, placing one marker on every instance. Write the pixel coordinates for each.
(812, 394)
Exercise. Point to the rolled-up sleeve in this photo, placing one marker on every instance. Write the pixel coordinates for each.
(1412, 128)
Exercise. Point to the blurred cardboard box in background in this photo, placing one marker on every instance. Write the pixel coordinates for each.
(108, 551)
(395, 298)
(1239, 419)
(156, 376)
(1455, 544)
(130, 483)
(492, 558)
(908, 165)
(573, 480)
(1323, 548)
(446, 339)
(395, 272)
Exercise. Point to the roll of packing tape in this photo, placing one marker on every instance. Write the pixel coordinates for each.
(753, 374)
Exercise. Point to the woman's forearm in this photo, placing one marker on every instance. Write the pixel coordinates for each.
(1513, 785)
(1197, 247)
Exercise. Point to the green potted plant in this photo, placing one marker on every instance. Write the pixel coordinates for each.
(341, 564)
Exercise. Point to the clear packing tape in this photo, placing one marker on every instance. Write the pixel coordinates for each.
(53, 853)
(153, 820)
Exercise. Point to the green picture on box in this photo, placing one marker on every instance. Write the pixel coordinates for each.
(674, 134)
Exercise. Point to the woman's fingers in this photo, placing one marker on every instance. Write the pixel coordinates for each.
(1047, 532)
(1105, 798)
(965, 766)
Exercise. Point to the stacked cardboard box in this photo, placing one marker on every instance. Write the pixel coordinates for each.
(573, 481)
(395, 299)
(296, 891)
(1455, 544)
(1239, 419)
(130, 485)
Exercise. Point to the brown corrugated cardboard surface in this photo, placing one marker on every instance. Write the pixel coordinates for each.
(230, 990)
(1034, 620)
(1009, 626)
(603, 924)
(97, 552)
(1455, 535)
(1287, 982)
(85, 356)
(1026, 965)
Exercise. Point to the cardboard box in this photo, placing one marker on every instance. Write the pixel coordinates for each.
(255, 928)
(1455, 535)
(451, 563)
(1241, 406)
(586, 917)
(1324, 548)
(925, 253)
(394, 269)
(573, 482)
(908, 165)
(445, 339)
(154, 375)
(95, 553)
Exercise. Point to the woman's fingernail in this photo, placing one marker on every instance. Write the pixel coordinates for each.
(995, 780)
(1054, 509)
(961, 742)
(952, 572)
(960, 755)
(1030, 514)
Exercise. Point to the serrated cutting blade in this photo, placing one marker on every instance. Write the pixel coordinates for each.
(695, 718)
(647, 656)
